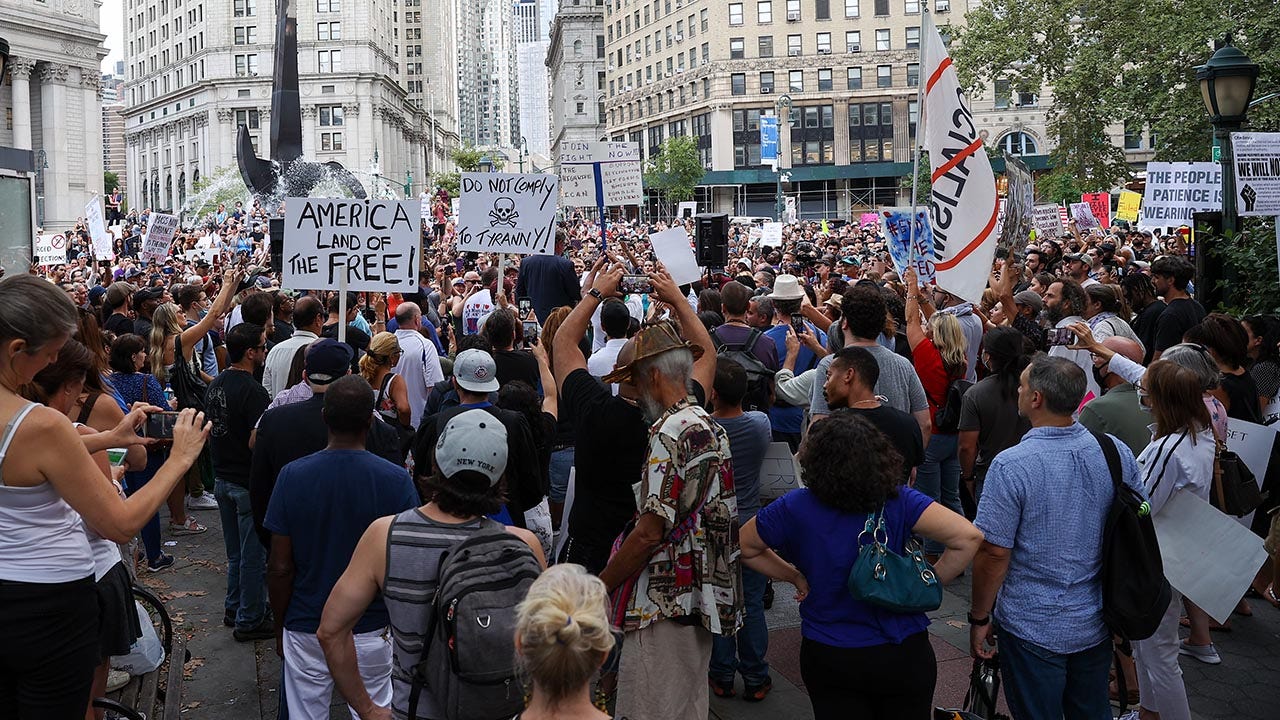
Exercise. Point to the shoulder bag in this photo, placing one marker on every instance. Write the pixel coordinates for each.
(1235, 488)
(881, 577)
(187, 386)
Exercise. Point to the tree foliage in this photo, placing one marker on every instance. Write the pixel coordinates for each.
(466, 159)
(676, 170)
(922, 182)
(110, 181)
(1058, 187)
(1109, 63)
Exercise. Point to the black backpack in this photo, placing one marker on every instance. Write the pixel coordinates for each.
(1135, 593)
(948, 417)
(759, 377)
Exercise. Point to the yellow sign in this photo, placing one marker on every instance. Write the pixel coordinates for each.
(1130, 203)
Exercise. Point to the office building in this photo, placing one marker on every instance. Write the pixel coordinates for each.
(576, 68)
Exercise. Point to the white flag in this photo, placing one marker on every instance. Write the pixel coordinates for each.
(964, 207)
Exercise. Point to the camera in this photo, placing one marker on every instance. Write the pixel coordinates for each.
(160, 425)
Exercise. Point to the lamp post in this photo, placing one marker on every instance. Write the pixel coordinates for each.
(522, 151)
(486, 164)
(782, 103)
(1227, 82)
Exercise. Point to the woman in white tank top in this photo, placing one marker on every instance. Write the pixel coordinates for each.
(50, 489)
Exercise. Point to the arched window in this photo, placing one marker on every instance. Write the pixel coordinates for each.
(577, 48)
(168, 189)
(195, 178)
(1018, 143)
(182, 189)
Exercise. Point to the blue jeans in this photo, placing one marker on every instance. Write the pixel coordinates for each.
(939, 477)
(133, 482)
(246, 557)
(561, 464)
(1043, 685)
(745, 651)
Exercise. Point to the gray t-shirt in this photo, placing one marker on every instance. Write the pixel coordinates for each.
(994, 416)
(898, 383)
(749, 438)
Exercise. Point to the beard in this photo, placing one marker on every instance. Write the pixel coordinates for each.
(650, 408)
(1054, 313)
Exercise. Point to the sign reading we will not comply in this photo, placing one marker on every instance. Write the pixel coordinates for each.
(371, 245)
(508, 213)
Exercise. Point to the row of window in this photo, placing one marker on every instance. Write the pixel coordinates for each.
(822, 9)
(796, 84)
(822, 43)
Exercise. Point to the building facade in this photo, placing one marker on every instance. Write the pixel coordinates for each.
(842, 74)
(488, 87)
(196, 73)
(52, 103)
(531, 75)
(426, 57)
(575, 62)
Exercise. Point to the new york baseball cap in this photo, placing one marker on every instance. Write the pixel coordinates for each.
(475, 370)
(473, 440)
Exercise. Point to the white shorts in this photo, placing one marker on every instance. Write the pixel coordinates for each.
(308, 686)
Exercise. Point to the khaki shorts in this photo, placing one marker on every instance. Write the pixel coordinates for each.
(1272, 543)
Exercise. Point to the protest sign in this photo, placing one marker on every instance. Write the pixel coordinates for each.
(358, 245)
(897, 233)
(508, 213)
(1256, 162)
(424, 206)
(474, 309)
(1253, 443)
(51, 249)
(1130, 205)
(616, 163)
(771, 234)
(1047, 221)
(160, 230)
(686, 210)
(1100, 205)
(1082, 213)
(206, 254)
(1014, 232)
(1176, 190)
(98, 231)
(866, 219)
(673, 250)
(779, 472)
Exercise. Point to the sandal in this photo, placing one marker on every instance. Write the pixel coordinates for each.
(1269, 594)
(1213, 624)
(190, 527)
(721, 688)
(756, 693)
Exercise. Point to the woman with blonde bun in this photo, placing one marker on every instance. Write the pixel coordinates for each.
(392, 402)
(562, 638)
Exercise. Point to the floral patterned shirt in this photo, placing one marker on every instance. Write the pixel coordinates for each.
(695, 573)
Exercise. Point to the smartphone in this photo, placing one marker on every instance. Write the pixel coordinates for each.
(458, 264)
(531, 331)
(526, 305)
(797, 324)
(160, 425)
(1061, 336)
(636, 285)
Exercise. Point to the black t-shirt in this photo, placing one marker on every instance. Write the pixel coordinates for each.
(1180, 316)
(281, 332)
(233, 403)
(120, 325)
(1242, 391)
(901, 429)
(1144, 326)
(610, 443)
(142, 327)
(517, 365)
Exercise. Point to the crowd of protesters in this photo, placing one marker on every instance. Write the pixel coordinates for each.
(616, 436)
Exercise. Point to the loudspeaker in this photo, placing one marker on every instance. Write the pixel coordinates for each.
(276, 227)
(711, 239)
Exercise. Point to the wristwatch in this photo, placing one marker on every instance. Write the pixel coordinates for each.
(975, 621)
(595, 294)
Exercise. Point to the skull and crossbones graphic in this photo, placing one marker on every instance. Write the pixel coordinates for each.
(503, 212)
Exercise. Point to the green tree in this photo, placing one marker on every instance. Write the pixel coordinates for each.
(676, 170)
(110, 181)
(466, 159)
(923, 182)
(1058, 187)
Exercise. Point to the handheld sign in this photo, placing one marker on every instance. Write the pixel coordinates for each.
(1047, 220)
(1082, 213)
(349, 244)
(160, 230)
(51, 249)
(508, 213)
(1130, 204)
(98, 231)
(673, 250)
(907, 250)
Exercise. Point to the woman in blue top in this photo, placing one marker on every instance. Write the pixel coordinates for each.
(857, 660)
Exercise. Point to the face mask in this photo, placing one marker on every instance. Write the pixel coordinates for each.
(1100, 378)
(1142, 395)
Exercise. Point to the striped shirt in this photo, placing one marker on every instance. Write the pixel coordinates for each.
(414, 546)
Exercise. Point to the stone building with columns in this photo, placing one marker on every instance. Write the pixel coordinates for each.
(196, 73)
(52, 104)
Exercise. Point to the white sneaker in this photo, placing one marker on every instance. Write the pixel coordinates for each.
(116, 679)
(203, 501)
(1206, 654)
(1131, 715)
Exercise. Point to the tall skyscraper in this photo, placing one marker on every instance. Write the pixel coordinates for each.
(488, 96)
(575, 63)
(531, 53)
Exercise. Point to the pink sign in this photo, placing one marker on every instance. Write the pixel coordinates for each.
(868, 219)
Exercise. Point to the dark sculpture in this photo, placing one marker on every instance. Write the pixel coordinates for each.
(286, 174)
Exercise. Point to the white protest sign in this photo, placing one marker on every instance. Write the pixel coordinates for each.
(359, 245)
(1253, 443)
(620, 178)
(673, 250)
(1208, 556)
(51, 249)
(508, 213)
(1256, 162)
(205, 254)
(160, 230)
(1176, 190)
(779, 473)
(1082, 213)
(686, 209)
(1047, 220)
(98, 231)
(424, 205)
(771, 234)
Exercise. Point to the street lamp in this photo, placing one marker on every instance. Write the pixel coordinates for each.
(523, 150)
(486, 164)
(1227, 82)
(782, 103)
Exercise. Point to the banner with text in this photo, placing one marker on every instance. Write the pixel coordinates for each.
(1016, 225)
(620, 177)
(160, 230)
(1100, 204)
(1048, 221)
(1256, 161)
(1082, 213)
(51, 249)
(771, 234)
(1176, 190)
(371, 245)
(897, 234)
(508, 213)
(1129, 206)
(102, 249)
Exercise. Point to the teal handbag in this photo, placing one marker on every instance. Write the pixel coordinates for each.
(886, 579)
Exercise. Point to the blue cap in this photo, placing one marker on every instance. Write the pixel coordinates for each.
(327, 360)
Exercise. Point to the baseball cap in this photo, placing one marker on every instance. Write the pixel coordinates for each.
(1074, 257)
(1030, 298)
(850, 260)
(475, 370)
(473, 440)
(327, 360)
(118, 292)
(147, 293)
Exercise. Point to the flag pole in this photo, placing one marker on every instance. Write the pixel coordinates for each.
(920, 119)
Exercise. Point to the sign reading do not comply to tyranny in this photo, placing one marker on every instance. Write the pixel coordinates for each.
(508, 213)
(370, 245)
